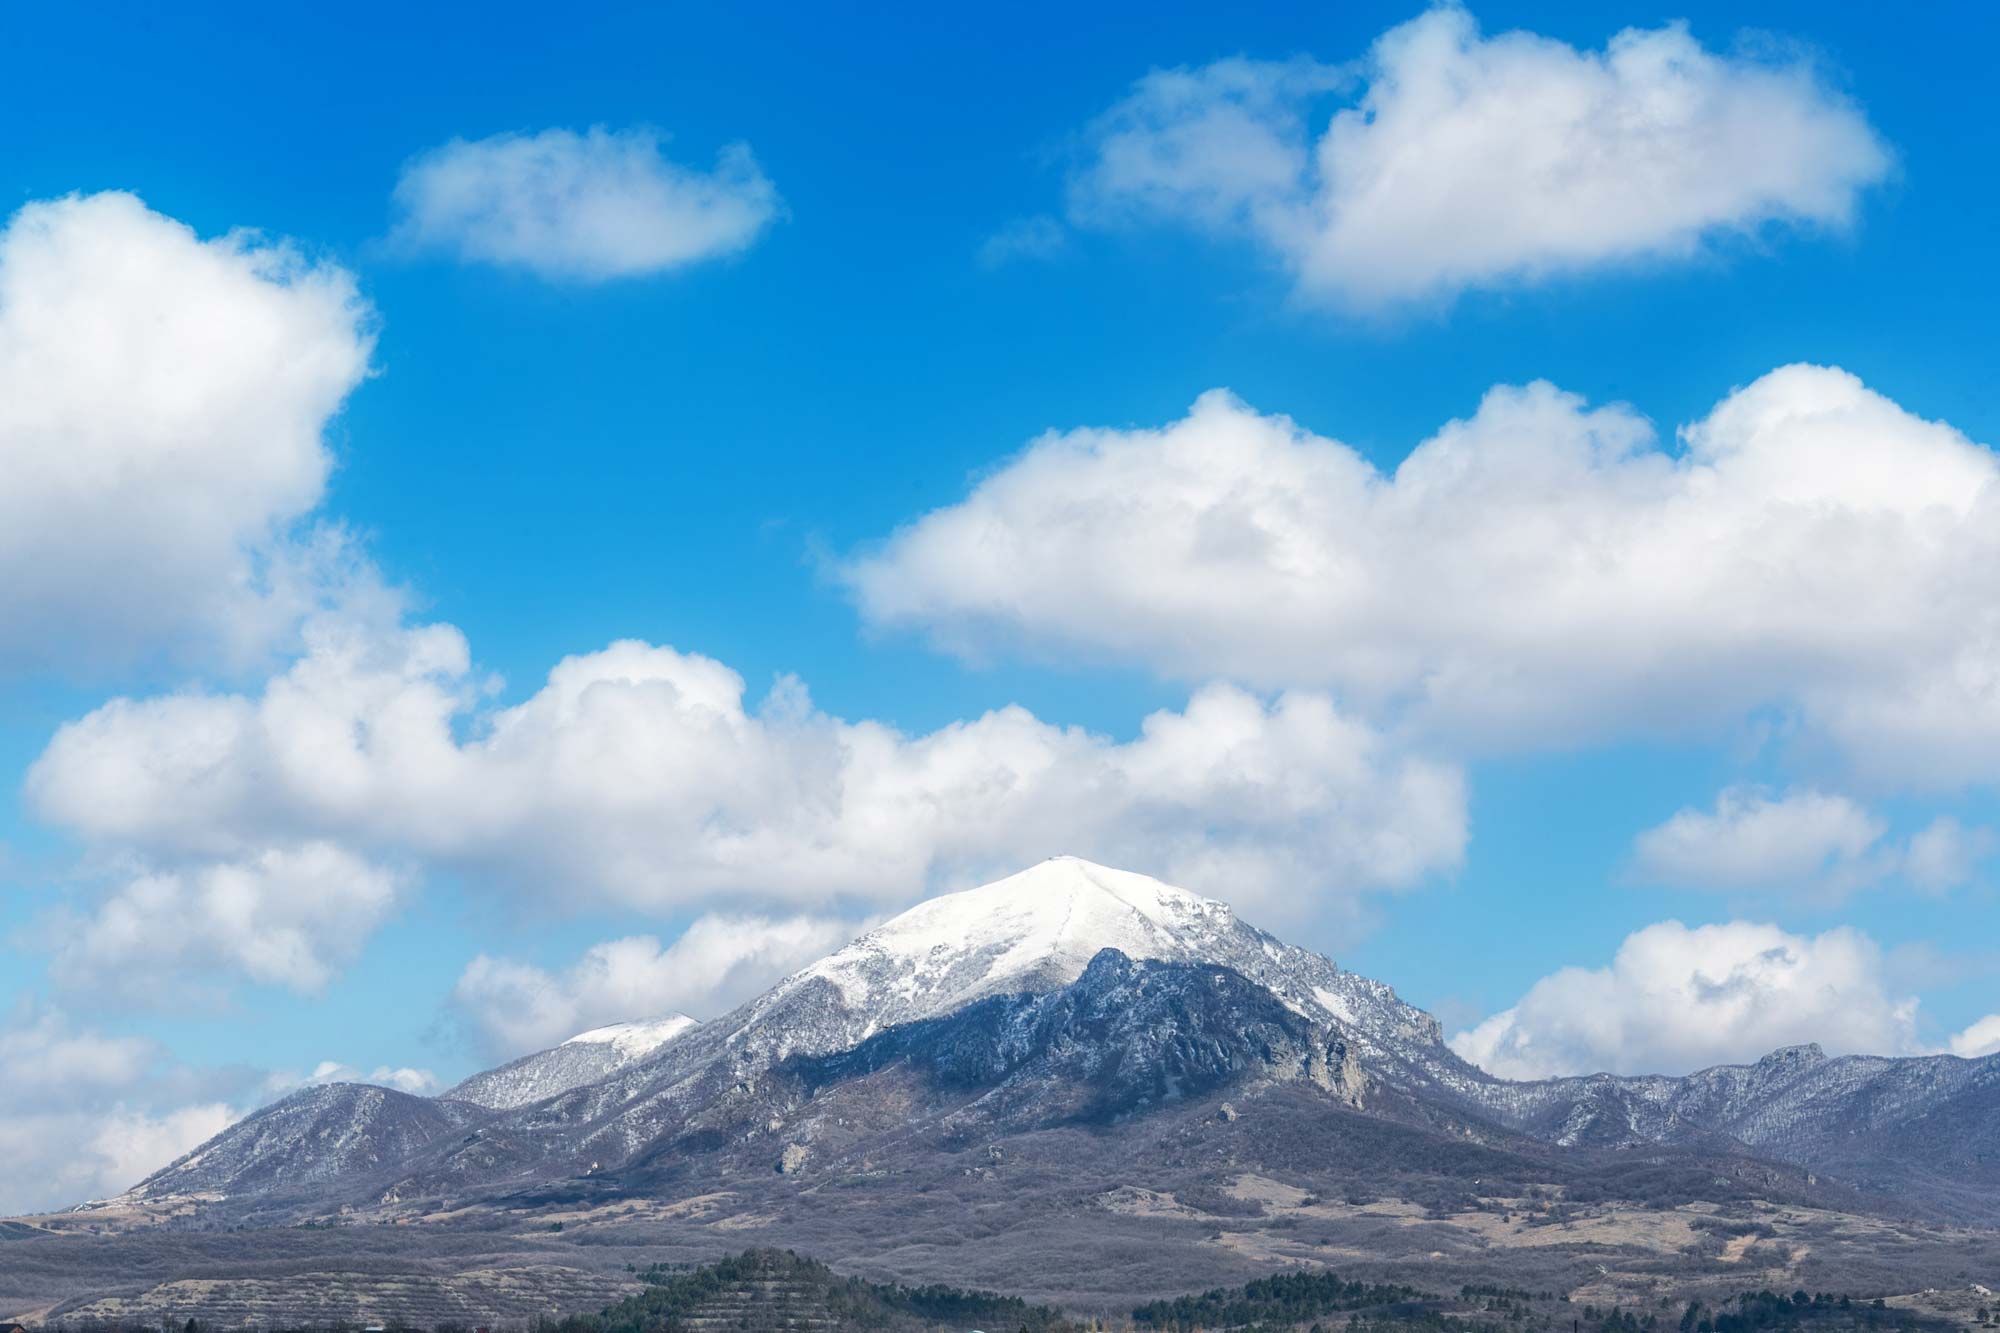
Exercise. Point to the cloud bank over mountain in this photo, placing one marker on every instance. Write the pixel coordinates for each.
(639, 777)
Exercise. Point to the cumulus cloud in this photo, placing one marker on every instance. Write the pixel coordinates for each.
(163, 407)
(1944, 855)
(510, 1007)
(1810, 841)
(1982, 1038)
(88, 1114)
(1542, 572)
(1226, 144)
(98, 1154)
(638, 776)
(417, 1082)
(44, 1056)
(1753, 839)
(584, 207)
(1676, 999)
(1470, 161)
(287, 916)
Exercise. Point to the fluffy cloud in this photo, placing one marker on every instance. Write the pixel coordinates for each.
(1755, 840)
(1224, 145)
(1540, 573)
(42, 1056)
(1675, 999)
(88, 1114)
(163, 403)
(79, 1156)
(418, 1082)
(588, 207)
(283, 916)
(1982, 1038)
(1811, 841)
(510, 1007)
(639, 777)
(1472, 161)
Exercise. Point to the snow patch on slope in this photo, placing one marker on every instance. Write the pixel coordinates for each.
(584, 1059)
(632, 1040)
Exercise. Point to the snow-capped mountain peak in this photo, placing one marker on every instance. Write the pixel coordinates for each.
(1028, 932)
(632, 1040)
(1067, 989)
(1035, 932)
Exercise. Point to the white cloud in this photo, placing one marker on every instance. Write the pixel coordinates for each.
(1982, 1038)
(1538, 574)
(417, 1082)
(1755, 840)
(1471, 161)
(638, 777)
(126, 1146)
(163, 404)
(1675, 999)
(1945, 854)
(1227, 144)
(46, 1061)
(587, 207)
(86, 1114)
(511, 1007)
(283, 916)
(1819, 843)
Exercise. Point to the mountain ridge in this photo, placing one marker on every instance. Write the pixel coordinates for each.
(983, 979)
(582, 1059)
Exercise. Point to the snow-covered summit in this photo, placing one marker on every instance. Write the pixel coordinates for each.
(1063, 910)
(632, 1040)
(1031, 931)
(1034, 932)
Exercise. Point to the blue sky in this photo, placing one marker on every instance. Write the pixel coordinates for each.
(696, 454)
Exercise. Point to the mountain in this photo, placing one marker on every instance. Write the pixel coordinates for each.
(1124, 1036)
(584, 1058)
(316, 1138)
(1074, 997)
(1920, 1127)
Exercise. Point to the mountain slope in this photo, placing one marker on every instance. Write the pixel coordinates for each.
(315, 1139)
(1073, 993)
(1123, 1037)
(1886, 1125)
(585, 1058)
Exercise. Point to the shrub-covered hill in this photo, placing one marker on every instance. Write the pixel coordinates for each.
(1320, 1301)
(776, 1289)
(1281, 1301)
